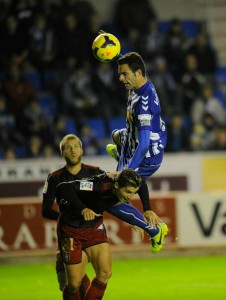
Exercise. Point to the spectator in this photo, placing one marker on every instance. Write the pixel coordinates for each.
(175, 46)
(36, 122)
(79, 97)
(220, 138)
(207, 103)
(178, 134)
(19, 93)
(150, 42)
(34, 147)
(132, 16)
(205, 54)
(166, 86)
(203, 135)
(71, 37)
(109, 92)
(43, 44)
(14, 41)
(191, 84)
(90, 142)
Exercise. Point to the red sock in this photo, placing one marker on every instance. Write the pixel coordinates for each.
(96, 290)
(84, 286)
(69, 296)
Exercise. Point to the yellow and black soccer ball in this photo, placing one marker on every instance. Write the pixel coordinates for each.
(106, 47)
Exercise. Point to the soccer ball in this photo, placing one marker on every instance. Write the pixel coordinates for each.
(106, 47)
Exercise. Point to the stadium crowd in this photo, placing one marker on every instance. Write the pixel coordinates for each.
(52, 85)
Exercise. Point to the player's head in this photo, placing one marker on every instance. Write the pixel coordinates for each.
(71, 149)
(127, 183)
(131, 69)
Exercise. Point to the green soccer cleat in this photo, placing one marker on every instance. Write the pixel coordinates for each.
(112, 151)
(158, 239)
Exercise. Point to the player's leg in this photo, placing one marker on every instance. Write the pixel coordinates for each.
(114, 150)
(133, 216)
(100, 257)
(60, 270)
(75, 273)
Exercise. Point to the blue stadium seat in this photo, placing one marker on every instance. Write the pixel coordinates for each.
(116, 123)
(220, 75)
(34, 79)
(189, 27)
(221, 97)
(98, 127)
(70, 126)
(20, 151)
(48, 104)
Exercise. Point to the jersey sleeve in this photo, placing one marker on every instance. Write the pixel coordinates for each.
(147, 111)
(48, 199)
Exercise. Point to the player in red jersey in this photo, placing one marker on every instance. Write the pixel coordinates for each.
(81, 231)
(73, 170)
(71, 150)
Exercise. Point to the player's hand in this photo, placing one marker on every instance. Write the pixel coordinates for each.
(152, 219)
(101, 31)
(89, 214)
(112, 174)
(140, 230)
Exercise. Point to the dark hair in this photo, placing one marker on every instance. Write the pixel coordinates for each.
(134, 61)
(128, 177)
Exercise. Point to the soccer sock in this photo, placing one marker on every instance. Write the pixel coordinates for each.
(69, 296)
(84, 286)
(96, 290)
(133, 216)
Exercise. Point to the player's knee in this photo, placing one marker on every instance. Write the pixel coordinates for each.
(115, 137)
(104, 275)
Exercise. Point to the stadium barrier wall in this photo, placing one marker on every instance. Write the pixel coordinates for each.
(188, 193)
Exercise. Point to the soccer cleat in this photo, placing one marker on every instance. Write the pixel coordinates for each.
(112, 151)
(158, 239)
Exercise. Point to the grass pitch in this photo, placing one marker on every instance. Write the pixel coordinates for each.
(161, 278)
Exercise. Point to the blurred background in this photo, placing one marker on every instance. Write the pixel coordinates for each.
(52, 85)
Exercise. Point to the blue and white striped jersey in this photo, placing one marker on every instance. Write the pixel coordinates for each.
(143, 113)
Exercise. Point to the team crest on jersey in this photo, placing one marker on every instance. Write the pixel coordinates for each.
(45, 187)
(86, 186)
(145, 120)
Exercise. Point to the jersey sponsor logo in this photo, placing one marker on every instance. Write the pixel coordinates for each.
(145, 120)
(86, 186)
(45, 187)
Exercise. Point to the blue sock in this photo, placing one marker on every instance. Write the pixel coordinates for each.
(133, 216)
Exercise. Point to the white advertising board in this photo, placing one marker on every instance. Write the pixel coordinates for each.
(201, 219)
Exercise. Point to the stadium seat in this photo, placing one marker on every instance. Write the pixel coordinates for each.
(98, 127)
(116, 123)
(70, 126)
(220, 75)
(20, 151)
(189, 27)
(48, 103)
(34, 79)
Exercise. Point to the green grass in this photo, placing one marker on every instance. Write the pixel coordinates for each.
(163, 278)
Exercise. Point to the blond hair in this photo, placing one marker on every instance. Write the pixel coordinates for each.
(69, 137)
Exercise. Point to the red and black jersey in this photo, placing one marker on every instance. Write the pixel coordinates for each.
(94, 193)
(53, 180)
